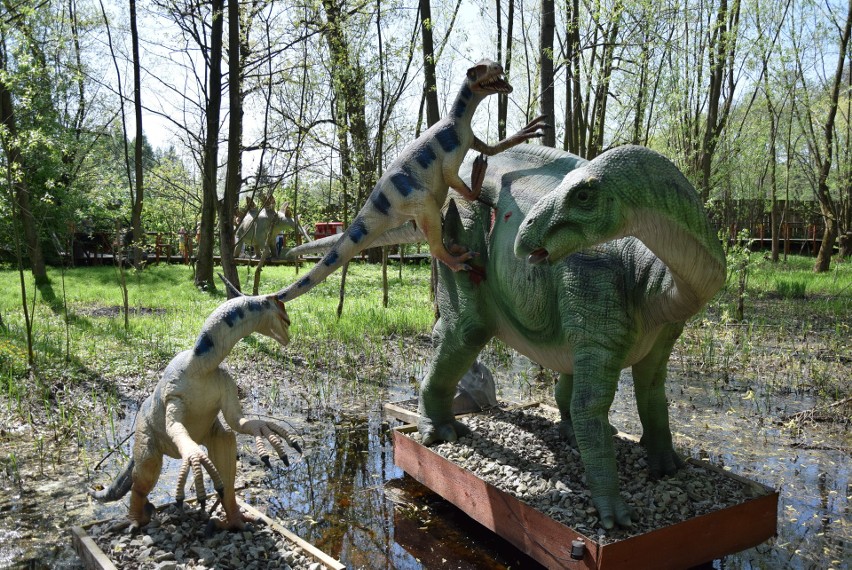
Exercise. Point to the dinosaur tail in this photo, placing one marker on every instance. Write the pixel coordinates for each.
(406, 233)
(353, 241)
(118, 488)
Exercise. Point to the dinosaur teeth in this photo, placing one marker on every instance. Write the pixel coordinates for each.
(538, 256)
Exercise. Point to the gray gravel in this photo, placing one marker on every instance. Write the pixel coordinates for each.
(175, 540)
(522, 453)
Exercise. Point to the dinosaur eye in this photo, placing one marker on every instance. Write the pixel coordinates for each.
(583, 196)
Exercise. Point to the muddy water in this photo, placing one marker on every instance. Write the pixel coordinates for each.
(346, 496)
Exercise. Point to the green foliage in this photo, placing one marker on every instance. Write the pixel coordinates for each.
(790, 289)
(167, 312)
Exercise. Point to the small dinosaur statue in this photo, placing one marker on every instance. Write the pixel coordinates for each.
(259, 228)
(631, 256)
(182, 414)
(415, 185)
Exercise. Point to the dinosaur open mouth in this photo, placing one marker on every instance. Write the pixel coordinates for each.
(538, 256)
(496, 85)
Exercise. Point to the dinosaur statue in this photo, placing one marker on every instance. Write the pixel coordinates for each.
(415, 185)
(260, 226)
(631, 256)
(181, 415)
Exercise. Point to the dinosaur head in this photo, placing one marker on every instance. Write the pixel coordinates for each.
(486, 78)
(582, 211)
(277, 323)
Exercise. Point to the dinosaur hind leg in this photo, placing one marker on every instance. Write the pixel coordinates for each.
(429, 222)
(649, 385)
(221, 445)
(146, 472)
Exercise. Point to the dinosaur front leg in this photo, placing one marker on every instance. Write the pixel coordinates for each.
(595, 382)
(562, 394)
(532, 130)
(190, 451)
(459, 343)
(649, 385)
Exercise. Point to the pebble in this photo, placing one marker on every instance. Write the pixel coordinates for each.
(161, 546)
(522, 453)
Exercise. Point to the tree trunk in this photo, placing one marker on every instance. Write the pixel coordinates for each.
(138, 195)
(503, 98)
(722, 50)
(548, 24)
(430, 85)
(574, 128)
(233, 174)
(826, 203)
(210, 157)
(16, 162)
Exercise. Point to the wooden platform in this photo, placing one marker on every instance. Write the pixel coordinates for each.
(696, 541)
(95, 559)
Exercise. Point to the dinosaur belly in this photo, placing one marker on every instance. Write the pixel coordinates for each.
(554, 355)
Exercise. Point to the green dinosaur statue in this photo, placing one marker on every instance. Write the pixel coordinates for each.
(632, 256)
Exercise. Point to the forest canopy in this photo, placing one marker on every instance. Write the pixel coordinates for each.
(167, 115)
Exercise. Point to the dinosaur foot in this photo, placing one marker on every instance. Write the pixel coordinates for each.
(449, 431)
(140, 521)
(457, 258)
(613, 510)
(662, 463)
(239, 522)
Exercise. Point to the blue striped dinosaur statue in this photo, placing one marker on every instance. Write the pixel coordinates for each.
(415, 185)
(181, 415)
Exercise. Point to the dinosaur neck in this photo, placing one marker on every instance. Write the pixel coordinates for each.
(464, 106)
(668, 217)
(697, 268)
(223, 329)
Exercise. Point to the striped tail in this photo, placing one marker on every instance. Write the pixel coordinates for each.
(353, 241)
(118, 488)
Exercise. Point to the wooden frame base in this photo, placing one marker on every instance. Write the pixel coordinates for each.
(693, 542)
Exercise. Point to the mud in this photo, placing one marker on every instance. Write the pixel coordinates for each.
(347, 497)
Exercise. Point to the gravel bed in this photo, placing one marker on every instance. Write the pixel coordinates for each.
(522, 453)
(174, 539)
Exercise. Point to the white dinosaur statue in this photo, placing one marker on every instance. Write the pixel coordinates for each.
(181, 415)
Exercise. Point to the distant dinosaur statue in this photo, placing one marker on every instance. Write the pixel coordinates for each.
(259, 228)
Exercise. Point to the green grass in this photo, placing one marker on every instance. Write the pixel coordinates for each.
(167, 312)
(784, 302)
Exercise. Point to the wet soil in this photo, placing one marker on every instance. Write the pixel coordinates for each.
(346, 496)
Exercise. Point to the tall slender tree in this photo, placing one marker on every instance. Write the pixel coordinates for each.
(233, 174)
(137, 197)
(548, 24)
(430, 86)
(210, 153)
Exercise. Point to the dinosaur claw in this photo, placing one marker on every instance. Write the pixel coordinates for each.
(265, 459)
(285, 459)
(296, 446)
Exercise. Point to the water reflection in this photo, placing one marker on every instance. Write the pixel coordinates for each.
(346, 496)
